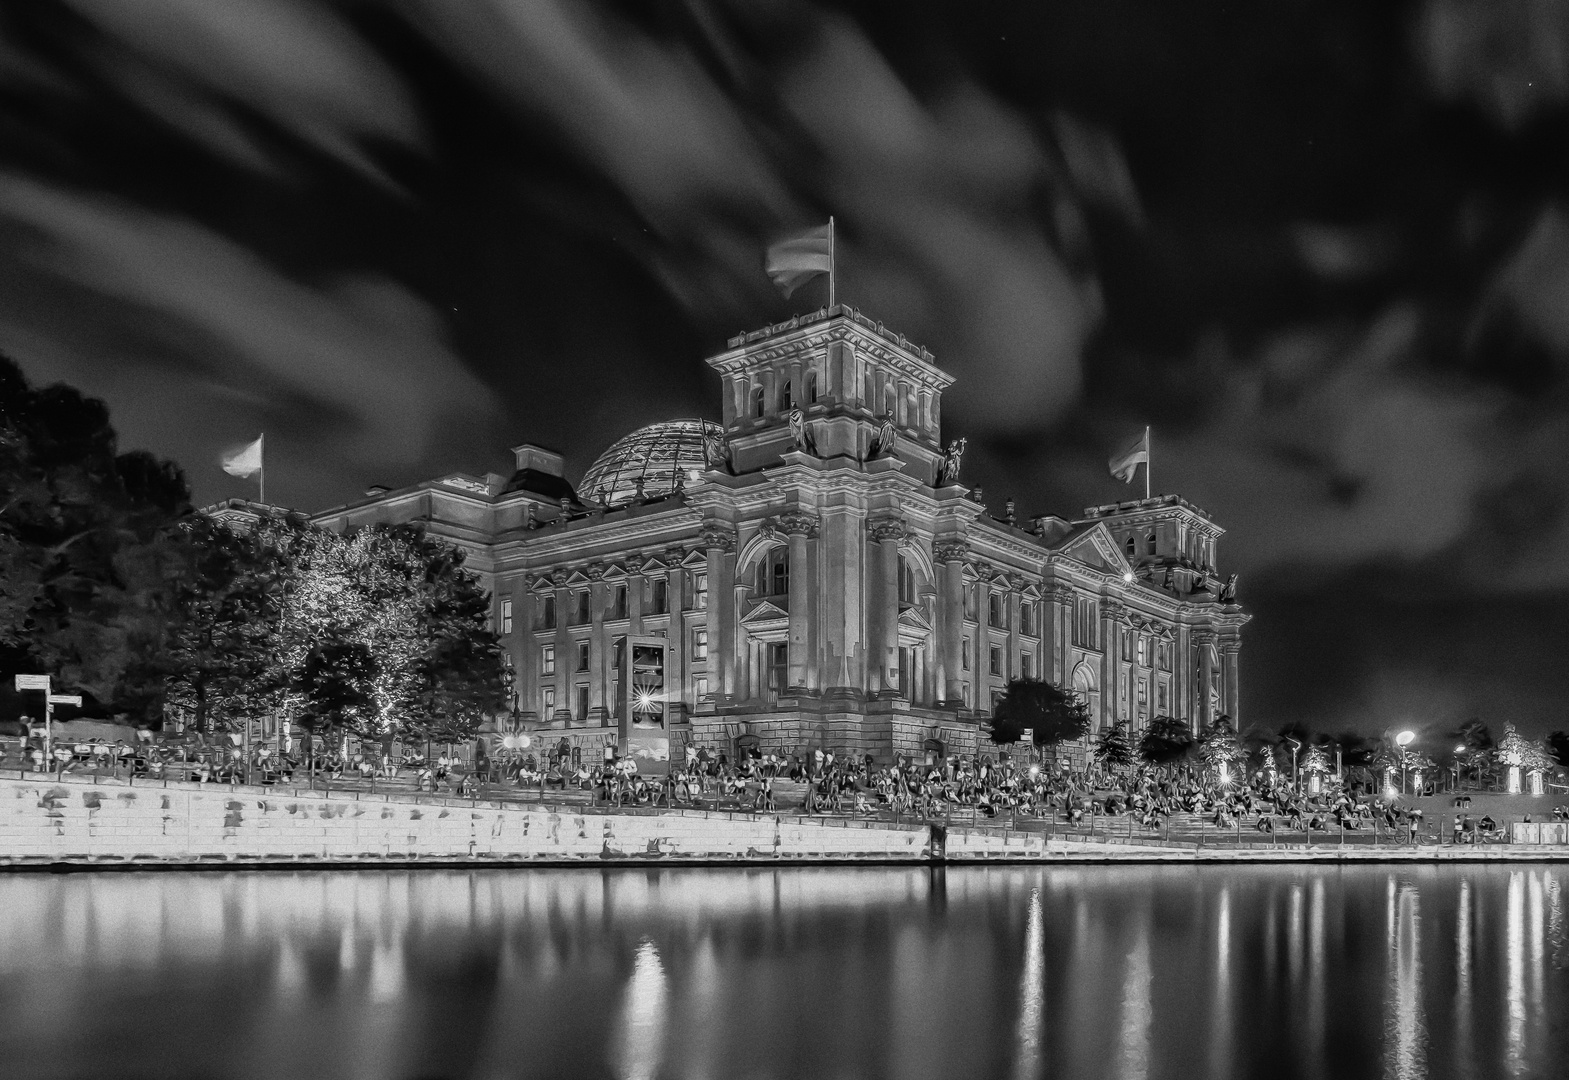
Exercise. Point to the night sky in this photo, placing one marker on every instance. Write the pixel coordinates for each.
(1323, 249)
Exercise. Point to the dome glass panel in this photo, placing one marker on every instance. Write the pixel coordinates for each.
(652, 455)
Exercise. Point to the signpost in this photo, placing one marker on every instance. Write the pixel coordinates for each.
(41, 682)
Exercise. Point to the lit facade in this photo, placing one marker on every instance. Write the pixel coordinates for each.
(821, 576)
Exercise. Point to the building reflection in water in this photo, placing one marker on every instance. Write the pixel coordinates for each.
(1405, 1027)
(1221, 973)
(1029, 1059)
(640, 1035)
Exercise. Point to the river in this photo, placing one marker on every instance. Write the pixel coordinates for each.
(709, 974)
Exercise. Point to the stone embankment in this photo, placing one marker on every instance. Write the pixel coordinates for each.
(80, 822)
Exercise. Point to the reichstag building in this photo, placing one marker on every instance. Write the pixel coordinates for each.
(818, 573)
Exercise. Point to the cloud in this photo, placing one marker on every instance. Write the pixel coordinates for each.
(1508, 57)
(361, 359)
(957, 215)
(296, 64)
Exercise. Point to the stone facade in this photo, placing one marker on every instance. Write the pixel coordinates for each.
(822, 577)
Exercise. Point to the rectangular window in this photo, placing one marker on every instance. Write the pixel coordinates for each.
(996, 661)
(778, 659)
(619, 603)
(1127, 645)
(547, 614)
(966, 643)
(995, 609)
(1086, 618)
(506, 615)
(1024, 666)
(547, 660)
(1027, 618)
(550, 700)
(661, 598)
(701, 688)
(1143, 650)
(582, 703)
(582, 655)
(700, 591)
(582, 607)
(1144, 698)
(1160, 699)
(700, 644)
(966, 691)
(970, 601)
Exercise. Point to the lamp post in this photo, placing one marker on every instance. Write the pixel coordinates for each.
(1403, 740)
(1295, 746)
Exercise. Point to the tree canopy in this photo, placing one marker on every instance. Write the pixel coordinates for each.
(1166, 740)
(1053, 714)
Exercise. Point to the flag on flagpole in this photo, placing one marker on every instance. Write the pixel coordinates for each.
(1126, 463)
(244, 461)
(792, 263)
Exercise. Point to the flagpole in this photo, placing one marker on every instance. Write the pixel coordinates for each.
(261, 443)
(830, 261)
(1147, 456)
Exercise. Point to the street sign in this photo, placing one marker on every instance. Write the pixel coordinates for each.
(65, 699)
(33, 682)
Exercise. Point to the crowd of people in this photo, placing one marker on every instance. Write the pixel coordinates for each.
(975, 787)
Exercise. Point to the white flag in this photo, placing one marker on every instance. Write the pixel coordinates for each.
(245, 461)
(1123, 465)
(794, 262)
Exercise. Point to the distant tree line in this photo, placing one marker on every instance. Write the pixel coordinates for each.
(111, 583)
(1053, 715)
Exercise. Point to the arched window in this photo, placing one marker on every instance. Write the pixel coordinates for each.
(1133, 548)
(1150, 540)
(907, 596)
(773, 573)
(757, 402)
(787, 396)
(811, 387)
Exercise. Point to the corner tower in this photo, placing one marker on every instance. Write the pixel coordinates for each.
(858, 392)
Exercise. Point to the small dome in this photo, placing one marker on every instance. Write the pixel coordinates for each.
(654, 455)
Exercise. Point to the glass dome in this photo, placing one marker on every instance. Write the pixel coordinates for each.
(653, 455)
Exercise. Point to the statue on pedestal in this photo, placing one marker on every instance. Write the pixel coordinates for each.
(882, 444)
(948, 471)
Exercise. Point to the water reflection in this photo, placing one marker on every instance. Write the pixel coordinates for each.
(1228, 973)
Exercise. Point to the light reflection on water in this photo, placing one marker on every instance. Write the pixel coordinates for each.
(1097, 972)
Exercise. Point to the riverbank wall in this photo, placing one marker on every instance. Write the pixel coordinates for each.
(72, 822)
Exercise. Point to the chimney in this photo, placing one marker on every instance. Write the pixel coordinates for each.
(539, 459)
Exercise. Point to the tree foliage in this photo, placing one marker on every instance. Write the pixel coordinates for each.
(88, 548)
(1053, 714)
(1219, 745)
(1113, 751)
(1166, 740)
(1558, 746)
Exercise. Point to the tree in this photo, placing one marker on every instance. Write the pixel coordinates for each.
(1053, 714)
(336, 682)
(462, 677)
(1166, 740)
(221, 668)
(86, 545)
(1112, 749)
(1558, 745)
(1219, 747)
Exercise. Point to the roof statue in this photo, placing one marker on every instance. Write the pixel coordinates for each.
(948, 473)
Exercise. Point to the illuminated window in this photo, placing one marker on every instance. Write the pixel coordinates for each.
(700, 644)
(773, 573)
(966, 645)
(700, 687)
(970, 601)
(700, 591)
(506, 615)
(547, 660)
(550, 699)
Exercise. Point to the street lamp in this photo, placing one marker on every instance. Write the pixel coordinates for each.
(1295, 746)
(1403, 740)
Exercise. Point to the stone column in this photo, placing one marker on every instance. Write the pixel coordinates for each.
(719, 540)
(1013, 600)
(1056, 633)
(564, 662)
(1202, 641)
(637, 596)
(1111, 613)
(680, 669)
(803, 587)
(527, 669)
(949, 556)
(886, 533)
(599, 666)
(1229, 686)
